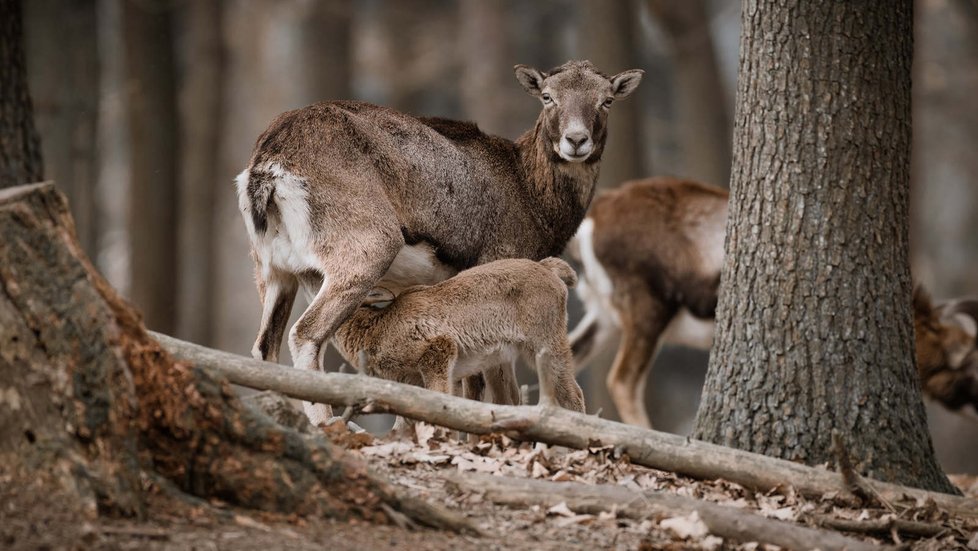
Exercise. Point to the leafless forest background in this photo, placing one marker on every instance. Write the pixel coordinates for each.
(148, 108)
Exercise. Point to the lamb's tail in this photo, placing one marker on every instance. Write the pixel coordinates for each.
(255, 189)
(561, 269)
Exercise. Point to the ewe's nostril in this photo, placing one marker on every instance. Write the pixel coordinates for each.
(577, 139)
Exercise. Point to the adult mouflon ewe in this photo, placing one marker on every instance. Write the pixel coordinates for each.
(344, 196)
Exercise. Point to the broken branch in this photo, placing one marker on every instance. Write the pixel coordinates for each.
(555, 426)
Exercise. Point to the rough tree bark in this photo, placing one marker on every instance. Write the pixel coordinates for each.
(704, 123)
(202, 115)
(20, 148)
(90, 401)
(814, 328)
(152, 109)
(63, 71)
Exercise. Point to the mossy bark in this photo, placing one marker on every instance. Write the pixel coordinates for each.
(87, 393)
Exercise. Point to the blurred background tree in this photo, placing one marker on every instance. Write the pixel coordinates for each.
(157, 103)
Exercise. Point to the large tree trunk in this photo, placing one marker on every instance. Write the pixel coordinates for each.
(20, 149)
(814, 328)
(704, 123)
(93, 404)
(202, 115)
(150, 75)
(63, 71)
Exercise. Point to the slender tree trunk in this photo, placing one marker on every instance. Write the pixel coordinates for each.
(324, 50)
(63, 71)
(20, 148)
(608, 35)
(944, 189)
(704, 122)
(608, 39)
(202, 114)
(814, 328)
(152, 109)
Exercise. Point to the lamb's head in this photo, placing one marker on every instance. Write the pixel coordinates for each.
(947, 349)
(576, 98)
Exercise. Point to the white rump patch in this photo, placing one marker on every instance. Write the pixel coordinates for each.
(595, 288)
(286, 244)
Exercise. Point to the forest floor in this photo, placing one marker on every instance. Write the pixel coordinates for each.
(430, 463)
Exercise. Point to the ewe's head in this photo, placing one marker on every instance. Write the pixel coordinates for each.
(576, 98)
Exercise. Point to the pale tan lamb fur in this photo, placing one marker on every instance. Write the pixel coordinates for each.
(436, 335)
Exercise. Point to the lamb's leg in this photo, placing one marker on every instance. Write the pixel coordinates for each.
(555, 370)
(351, 264)
(643, 319)
(503, 387)
(277, 290)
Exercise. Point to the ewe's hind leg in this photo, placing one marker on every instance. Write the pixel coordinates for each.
(351, 264)
(277, 291)
(555, 370)
(643, 319)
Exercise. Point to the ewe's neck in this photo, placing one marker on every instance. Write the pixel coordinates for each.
(561, 190)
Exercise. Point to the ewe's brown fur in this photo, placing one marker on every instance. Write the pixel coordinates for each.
(467, 323)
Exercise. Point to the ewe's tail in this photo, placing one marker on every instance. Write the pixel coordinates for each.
(255, 189)
(561, 269)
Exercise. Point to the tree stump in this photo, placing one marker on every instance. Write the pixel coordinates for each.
(90, 402)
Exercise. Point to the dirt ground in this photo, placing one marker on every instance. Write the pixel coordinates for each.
(32, 516)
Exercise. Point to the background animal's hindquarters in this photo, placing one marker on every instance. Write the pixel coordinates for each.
(643, 319)
(278, 292)
(592, 336)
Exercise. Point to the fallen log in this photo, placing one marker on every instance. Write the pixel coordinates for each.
(726, 522)
(93, 408)
(555, 426)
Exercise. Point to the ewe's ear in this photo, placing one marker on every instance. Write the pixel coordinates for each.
(625, 82)
(530, 78)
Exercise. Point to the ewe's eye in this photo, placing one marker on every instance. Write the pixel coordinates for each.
(608, 102)
(546, 98)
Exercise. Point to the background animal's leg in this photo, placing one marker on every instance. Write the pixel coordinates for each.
(503, 387)
(277, 290)
(555, 370)
(351, 265)
(643, 319)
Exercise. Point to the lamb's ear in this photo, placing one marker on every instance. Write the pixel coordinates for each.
(625, 82)
(378, 298)
(530, 78)
(922, 306)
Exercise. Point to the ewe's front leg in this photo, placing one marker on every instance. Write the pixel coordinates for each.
(345, 284)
